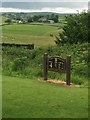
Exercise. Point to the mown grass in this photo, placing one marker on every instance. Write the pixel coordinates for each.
(30, 98)
(28, 33)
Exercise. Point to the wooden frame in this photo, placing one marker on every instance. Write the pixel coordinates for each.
(57, 64)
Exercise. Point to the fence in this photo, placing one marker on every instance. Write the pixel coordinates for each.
(57, 64)
(29, 46)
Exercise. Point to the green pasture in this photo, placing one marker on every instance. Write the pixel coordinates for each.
(30, 98)
(29, 33)
(24, 96)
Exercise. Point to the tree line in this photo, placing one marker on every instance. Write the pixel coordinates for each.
(30, 18)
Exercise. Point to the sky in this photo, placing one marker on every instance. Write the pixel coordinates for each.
(44, 0)
(57, 6)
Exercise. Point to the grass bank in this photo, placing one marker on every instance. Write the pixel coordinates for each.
(29, 63)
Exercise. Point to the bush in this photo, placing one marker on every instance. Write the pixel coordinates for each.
(8, 21)
(19, 64)
(29, 63)
(76, 30)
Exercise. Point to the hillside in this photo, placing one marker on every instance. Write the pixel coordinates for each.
(36, 13)
(28, 15)
(3, 19)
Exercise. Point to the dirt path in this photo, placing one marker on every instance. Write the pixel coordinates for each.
(58, 82)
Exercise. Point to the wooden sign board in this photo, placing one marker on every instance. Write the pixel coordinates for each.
(57, 64)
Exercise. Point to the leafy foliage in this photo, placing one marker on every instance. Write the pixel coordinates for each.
(76, 29)
(8, 21)
(29, 17)
(29, 63)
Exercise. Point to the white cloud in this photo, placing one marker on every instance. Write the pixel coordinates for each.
(45, 0)
(45, 9)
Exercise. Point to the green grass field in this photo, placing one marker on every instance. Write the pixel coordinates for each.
(26, 33)
(26, 97)
(30, 98)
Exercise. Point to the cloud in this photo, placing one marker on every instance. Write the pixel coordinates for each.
(57, 7)
(40, 5)
(45, 0)
(45, 9)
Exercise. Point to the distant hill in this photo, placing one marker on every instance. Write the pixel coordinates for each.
(48, 13)
(3, 19)
(32, 16)
(12, 14)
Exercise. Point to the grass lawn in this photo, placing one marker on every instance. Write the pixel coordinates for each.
(30, 98)
(26, 33)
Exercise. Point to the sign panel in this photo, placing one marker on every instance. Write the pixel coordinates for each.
(57, 64)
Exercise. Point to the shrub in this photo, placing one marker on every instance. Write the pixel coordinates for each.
(76, 30)
(29, 63)
(19, 64)
(8, 21)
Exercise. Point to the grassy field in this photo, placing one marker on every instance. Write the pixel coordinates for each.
(29, 33)
(30, 98)
(26, 97)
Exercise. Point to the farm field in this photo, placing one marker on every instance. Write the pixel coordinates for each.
(30, 98)
(29, 33)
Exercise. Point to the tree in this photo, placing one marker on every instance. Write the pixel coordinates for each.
(18, 18)
(8, 21)
(56, 19)
(35, 18)
(30, 19)
(76, 29)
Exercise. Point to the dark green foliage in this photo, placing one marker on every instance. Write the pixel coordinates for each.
(54, 18)
(19, 64)
(30, 19)
(8, 21)
(29, 63)
(76, 29)
(18, 18)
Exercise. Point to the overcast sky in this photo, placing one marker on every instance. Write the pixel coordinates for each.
(44, 0)
(58, 6)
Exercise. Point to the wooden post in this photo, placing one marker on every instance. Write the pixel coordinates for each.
(45, 66)
(68, 74)
(32, 46)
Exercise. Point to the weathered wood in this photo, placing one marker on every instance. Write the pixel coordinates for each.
(45, 66)
(57, 64)
(29, 46)
(68, 74)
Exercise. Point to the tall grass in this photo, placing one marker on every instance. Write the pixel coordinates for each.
(29, 63)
